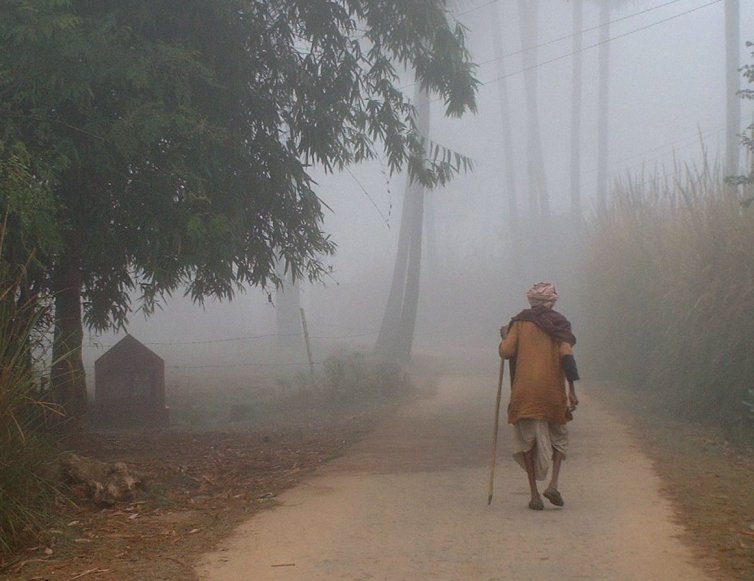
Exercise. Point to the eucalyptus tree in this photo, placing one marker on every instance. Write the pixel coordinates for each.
(508, 183)
(577, 24)
(746, 179)
(167, 144)
(539, 198)
(603, 102)
(288, 312)
(396, 334)
(732, 83)
(603, 97)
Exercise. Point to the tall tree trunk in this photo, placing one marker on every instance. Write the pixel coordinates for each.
(413, 274)
(733, 80)
(603, 104)
(539, 205)
(287, 313)
(578, 26)
(433, 257)
(391, 318)
(509, 168)
(68, 377)
(396, 334)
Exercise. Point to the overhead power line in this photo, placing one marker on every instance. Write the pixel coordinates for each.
(624, 35)
(666, 149)
(253, 338)
(568, 36)
(627, 164)
(475, 8)
(232, 365)
(223, 340)
(237, 365)
(369, 197)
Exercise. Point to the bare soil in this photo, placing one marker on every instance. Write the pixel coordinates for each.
(709, 480)
(203, 485)
(410, 502)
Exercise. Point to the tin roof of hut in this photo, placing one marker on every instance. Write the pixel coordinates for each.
(129, 348)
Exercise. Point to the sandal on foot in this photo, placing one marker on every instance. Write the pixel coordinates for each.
(553, 496)
(536, 504)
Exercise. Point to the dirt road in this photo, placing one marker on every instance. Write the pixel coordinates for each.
(410, 502)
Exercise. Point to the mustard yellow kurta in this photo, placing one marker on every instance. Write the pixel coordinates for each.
(538, 390)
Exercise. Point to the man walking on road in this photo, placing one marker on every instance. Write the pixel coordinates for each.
(539, 344)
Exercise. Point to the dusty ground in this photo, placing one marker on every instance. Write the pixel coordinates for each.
(201, 486)
(409, 501)
(709, 481)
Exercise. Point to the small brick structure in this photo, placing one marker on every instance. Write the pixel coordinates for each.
(129, 386)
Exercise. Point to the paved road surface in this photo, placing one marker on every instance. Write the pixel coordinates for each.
(410, 502)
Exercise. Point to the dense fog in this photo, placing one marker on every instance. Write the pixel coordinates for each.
(667, 104)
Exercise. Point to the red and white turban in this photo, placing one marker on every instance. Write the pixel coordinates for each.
(542, 294)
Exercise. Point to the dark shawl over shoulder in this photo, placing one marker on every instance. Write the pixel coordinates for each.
(550, 321)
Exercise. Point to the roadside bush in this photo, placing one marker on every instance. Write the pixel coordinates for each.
(351, 376)
(26, 455)
(669, 294)
(347, 382)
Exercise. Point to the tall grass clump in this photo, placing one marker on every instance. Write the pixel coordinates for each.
(668, 284)
(26, 453)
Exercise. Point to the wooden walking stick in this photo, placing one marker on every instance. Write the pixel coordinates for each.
(494, 433)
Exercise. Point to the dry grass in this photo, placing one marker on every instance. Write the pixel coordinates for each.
(204, 481)
(25, 450)
(706, 478)
(669, 284)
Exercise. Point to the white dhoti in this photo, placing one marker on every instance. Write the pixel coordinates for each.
(546, 437)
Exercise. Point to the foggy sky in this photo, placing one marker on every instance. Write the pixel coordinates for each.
(667, 85)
